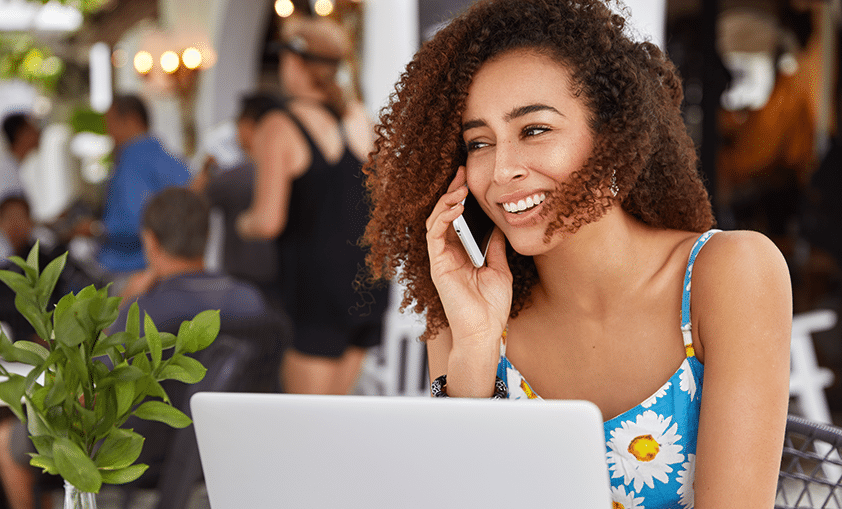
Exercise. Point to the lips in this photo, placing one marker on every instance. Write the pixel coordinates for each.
(524, 204)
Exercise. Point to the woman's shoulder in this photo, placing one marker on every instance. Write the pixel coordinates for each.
(740, 282)
(740, 251)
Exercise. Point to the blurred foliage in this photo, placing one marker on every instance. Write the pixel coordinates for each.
(23, 57)
(85, 119)
(84, 6)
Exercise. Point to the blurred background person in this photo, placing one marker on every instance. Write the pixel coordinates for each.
(142, 167)
(22, 136)
(308, 193)
(229, 189)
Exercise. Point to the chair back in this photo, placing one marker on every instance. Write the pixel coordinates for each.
(811, 467)
(228, 361)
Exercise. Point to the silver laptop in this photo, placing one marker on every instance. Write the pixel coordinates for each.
(293, 451)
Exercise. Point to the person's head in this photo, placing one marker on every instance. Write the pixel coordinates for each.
(175, 222)
(253, 107)
(21, 133)
(629, 95)
(127, 118)
(15, 222)
(313, 49)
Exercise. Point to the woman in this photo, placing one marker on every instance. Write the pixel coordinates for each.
(570, 136)
(308, 192)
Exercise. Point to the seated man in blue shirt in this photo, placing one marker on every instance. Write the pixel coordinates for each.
(142, 167)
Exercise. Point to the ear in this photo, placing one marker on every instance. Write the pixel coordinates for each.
(151, 246)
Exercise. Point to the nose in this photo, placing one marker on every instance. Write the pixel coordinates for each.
(508, 163)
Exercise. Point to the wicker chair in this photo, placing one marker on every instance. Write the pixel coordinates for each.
(811, 467)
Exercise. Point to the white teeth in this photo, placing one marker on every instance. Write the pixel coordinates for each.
(524, 204)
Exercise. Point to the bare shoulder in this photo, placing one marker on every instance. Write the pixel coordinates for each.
(280, 143)
(738, 255)
(741, 288)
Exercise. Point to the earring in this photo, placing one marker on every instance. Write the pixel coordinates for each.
(613, 187)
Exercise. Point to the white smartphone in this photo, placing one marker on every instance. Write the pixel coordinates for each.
(474, 228)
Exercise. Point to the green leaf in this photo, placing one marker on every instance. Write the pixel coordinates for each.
(184, 369)
(29, 271)
(125, 396)
(30, 347)
(11, 392)
(153, 339)
(57, 393)
(126, 373)
(75, 466)
(162, 412)
(23, 351)
(29, 309)
(198, 333)
(119, 450)
(32, 259)
(133, 320)
(17, 282)
(70, 328)
(45, 463)
(116, 339)
(49, 277)
(35, 423)
(44, 445)
(123, 475)
(76, 362)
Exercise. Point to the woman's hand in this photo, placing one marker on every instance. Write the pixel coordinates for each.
(477, 301)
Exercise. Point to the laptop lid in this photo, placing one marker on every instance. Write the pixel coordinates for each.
(295, 451)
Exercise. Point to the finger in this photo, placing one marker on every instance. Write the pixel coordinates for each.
(447, 202)
(439, 223)
(460, 179)
(496, 255)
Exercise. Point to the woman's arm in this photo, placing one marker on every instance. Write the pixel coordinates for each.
(476, 301)
(280, 156)
(742, 300)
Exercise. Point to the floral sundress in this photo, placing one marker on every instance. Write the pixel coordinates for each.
(650, 449)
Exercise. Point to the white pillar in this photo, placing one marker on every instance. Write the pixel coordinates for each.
(648, 19)
(390, 41)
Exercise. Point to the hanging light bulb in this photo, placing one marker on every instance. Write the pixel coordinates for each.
(143, 62)
(284, 8)
(191, 57)
(323, 7)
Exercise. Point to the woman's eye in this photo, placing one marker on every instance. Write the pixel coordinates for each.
(535, 130)
(471, 146)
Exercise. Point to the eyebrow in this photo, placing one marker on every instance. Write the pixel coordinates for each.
(515, 113)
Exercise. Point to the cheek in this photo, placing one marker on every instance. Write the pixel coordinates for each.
(478, 178)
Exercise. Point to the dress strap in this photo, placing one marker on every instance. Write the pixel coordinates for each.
(686, 330)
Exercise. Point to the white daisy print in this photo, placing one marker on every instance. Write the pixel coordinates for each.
(659, 393)
(688, 382)
(643, 450)
(686, 478)
(623, 500)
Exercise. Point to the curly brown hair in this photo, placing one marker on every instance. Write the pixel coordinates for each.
(631, 89)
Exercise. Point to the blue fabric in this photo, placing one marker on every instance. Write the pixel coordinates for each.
(143, 168)
(650, 449)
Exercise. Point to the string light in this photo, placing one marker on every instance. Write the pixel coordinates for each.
(323, 7)
(284, 8)
(169, 61)
(191, 57)
(143, 62)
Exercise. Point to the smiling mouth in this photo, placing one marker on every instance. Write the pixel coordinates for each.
(525, 204)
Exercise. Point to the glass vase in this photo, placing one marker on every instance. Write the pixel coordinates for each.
(75, 499)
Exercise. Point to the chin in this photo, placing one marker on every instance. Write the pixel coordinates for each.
(534, 246)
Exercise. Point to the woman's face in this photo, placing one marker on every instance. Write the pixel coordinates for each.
(525, 133)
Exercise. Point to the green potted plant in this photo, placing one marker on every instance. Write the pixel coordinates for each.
(84, 384)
